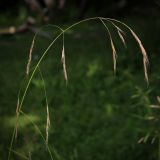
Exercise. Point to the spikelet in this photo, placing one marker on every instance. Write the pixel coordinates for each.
(114, 54)
(47, 124)
(30, 57)
(64, 63)
(120, 33)
(112, 46)
(122, 38)
(144, 54)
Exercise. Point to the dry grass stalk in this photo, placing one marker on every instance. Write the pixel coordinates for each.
(112, 45)
(120, 33)
(143, 51)
(64, 62)
(47, 124)
(122, 38)
(30, 57)
(114, 54)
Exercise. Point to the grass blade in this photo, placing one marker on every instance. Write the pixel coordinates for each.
(30, 57)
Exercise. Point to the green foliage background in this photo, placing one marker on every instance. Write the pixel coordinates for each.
(98, 115)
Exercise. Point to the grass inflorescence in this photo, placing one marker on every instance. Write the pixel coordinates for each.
(104, 21)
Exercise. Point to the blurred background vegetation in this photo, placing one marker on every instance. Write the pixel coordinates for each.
(98, 115)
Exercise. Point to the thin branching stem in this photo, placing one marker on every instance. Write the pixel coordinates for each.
(44, 140)
(112, 45)
(145, 58)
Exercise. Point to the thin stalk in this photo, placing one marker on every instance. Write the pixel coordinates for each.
(44, 140)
